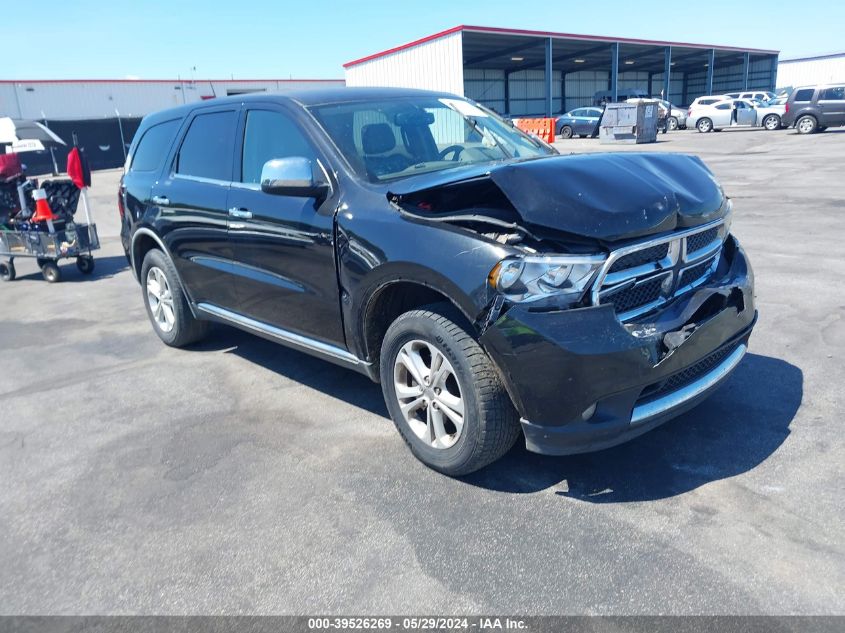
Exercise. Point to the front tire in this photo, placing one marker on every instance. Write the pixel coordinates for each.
(7, 271)
(673, 123)
(51, 272)
(806, 124)
(444, 394)
(772, 122)
(566, 132)
(166, 303)
(704, 125)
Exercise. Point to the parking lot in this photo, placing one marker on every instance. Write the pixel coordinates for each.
(243, 477)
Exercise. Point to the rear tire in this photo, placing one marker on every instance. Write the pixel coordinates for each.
(85, 264)
(806, 124)
(566, 132)
(480, 423)
(771, 122)
(704, 125)
(51, 272)
(7, 271)
(166, 303)
(673, 123)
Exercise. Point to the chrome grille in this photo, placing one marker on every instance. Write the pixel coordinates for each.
(702, 240)
(640, 278)
(638, 258)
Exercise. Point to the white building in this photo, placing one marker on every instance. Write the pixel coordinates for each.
(72, 99)
(803, 71)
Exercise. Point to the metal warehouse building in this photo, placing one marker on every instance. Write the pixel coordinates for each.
(99, 98)
(538, 72)
(104, 113)
(820, 69)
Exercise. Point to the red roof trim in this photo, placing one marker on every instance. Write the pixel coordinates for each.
(401, 47)
(571, 36)
(160, 81)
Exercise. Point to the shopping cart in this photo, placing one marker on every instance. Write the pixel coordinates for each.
(67, 241)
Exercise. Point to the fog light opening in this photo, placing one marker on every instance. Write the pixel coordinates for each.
(589, 412)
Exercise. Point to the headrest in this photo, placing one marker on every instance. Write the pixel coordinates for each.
(377, 138)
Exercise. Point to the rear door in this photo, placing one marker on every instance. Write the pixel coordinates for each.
(720, 113)
(832, 106)
(283, 246)
(191, 196)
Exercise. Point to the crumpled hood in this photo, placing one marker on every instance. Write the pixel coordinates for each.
(607, 196)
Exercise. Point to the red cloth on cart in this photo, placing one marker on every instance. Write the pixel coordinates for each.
(10, 166)
(77, 168)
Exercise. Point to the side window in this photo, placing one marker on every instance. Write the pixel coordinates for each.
(207, 149)
(723, 106)
(153, 146)
(833, 94)
(805, 94)
(270, 134)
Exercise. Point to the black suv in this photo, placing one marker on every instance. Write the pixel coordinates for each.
(491, 286)
(815, 108)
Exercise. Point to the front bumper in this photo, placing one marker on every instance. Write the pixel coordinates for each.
(557, 365)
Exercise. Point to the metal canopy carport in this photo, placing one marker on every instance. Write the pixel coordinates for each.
(679, 70)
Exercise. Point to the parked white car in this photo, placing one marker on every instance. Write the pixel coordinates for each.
(734, 113)
(760, 95)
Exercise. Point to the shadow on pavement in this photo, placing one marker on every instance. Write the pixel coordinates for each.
(341, 383)
(734, 430)
(104, 267)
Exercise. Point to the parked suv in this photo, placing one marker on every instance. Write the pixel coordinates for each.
(815, 108)
(493, 288)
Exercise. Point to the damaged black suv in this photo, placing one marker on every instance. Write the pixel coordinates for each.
(493, 288)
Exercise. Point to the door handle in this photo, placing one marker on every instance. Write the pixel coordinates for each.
(161, 201)
(243, 214)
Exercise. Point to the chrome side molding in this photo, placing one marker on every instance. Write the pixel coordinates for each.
(648, 411)
(295, 340)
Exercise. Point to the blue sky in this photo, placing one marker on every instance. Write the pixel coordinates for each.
(152, 39)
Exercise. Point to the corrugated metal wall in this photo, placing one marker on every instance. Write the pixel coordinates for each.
(433, 65)
(62, 100)
(811, 71)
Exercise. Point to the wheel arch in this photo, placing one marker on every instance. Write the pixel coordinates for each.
(395, 297)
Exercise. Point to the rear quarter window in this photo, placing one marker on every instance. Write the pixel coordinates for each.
(805, 94)
(833, 94)
(153, 146)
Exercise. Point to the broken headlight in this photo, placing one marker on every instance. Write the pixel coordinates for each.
(558, 279)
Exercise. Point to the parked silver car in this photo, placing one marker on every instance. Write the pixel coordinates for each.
(735, 113)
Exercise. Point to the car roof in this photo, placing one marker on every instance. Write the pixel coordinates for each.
(307, 98)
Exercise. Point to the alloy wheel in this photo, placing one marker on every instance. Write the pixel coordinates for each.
(160, 299)
(429, 394)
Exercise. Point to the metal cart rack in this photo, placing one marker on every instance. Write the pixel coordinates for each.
(72, 241)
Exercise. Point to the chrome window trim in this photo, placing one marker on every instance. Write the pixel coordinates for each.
(648, 411)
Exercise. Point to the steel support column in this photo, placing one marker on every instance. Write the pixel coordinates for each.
(548, 68)
(614, 71)
(773, 82)
(667, 72)
(563, 91)
(711, 61)
(507, 93)
(650, 84)
(746, 64)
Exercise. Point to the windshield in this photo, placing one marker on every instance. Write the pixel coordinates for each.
(394, 138)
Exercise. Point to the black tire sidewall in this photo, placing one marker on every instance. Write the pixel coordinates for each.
(180, 309)
(566, 132)
(811, 118)
(709, 127)
(408, 328)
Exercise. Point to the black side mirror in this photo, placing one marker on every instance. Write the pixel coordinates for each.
(293, 176)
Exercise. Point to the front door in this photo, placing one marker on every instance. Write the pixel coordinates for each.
(745, 113)
(282, 246)
(191, 196)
